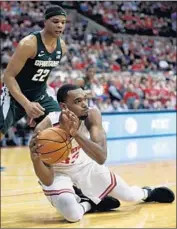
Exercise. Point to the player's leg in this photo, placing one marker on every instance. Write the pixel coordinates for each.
(124, 192)
(6, 112)
(106, 204)
(101, 182)
(10, 112)
(63, 198)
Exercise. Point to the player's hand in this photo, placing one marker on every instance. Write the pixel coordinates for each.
(33, 147)
(34, 110)
(31, 122)
(69, 122)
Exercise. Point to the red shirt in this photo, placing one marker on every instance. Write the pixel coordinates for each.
(129, 95)
(164, 94)
(149, 23)
(6, 28)
(136, 67)
(115, 67)
(151, 92)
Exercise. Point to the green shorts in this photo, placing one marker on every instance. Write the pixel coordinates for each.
(11, 112)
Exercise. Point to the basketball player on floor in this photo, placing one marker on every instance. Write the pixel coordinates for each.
(25, 89)
(85, 167)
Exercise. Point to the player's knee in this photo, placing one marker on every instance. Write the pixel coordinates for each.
(73, 217)
(69, 208)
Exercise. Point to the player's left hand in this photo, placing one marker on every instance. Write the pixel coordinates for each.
(33, 146)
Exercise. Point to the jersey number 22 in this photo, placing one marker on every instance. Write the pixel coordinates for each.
(41, 75)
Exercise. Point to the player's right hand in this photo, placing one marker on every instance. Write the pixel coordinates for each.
(34, 110)
(33, 147)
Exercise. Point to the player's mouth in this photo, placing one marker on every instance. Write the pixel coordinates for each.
(58, 32)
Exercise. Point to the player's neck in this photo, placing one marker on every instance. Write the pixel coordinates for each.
(47, 38)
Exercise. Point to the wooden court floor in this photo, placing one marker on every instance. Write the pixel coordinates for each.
(23, 204)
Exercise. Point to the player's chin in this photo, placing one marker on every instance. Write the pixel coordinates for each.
(57, 33)
(83, 117)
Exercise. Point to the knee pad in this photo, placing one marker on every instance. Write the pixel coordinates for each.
(67, 205)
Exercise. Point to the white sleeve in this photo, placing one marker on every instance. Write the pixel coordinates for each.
(54, 117)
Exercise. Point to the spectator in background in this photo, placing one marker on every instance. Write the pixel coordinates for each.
(151, 92)
(130, 96)
(146, 105)
(136, 105)
(113, 91)
(87, 82)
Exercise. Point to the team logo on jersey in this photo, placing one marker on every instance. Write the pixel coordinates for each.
(50, 58)
(41, 54)
(58, 56)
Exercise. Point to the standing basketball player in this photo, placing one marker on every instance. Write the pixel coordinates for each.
(25, 77)
(84, 166)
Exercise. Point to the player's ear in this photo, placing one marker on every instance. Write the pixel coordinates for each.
(63, 106)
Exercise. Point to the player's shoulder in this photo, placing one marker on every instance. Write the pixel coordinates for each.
(94, 115)
(29, 41)
(62, 41)
(94, 110)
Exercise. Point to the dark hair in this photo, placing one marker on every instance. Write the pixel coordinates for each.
(63, 91)
(54, 10)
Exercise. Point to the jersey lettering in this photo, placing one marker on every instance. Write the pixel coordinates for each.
(73, 156)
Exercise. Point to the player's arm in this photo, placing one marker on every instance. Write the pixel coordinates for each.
(50, 120)
(96, 146)
(43, 171)
(26, 49)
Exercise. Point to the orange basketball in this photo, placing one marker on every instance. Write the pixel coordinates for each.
(55, 145)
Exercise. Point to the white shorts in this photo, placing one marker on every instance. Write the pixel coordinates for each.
(96, 181)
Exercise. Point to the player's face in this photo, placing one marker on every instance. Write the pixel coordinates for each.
(55, 25)
(91, 73)
(77, 103)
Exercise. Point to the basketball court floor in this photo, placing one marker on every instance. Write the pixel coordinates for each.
(23, 204)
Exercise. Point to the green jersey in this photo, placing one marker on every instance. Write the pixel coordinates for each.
(33, 76)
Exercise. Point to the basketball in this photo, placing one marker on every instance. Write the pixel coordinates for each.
(55, 145)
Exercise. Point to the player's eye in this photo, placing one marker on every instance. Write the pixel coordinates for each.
(78, 101)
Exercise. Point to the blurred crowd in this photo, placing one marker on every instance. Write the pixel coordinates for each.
(141, 17)
(120, 72)
(108, 51)
(125, 91)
